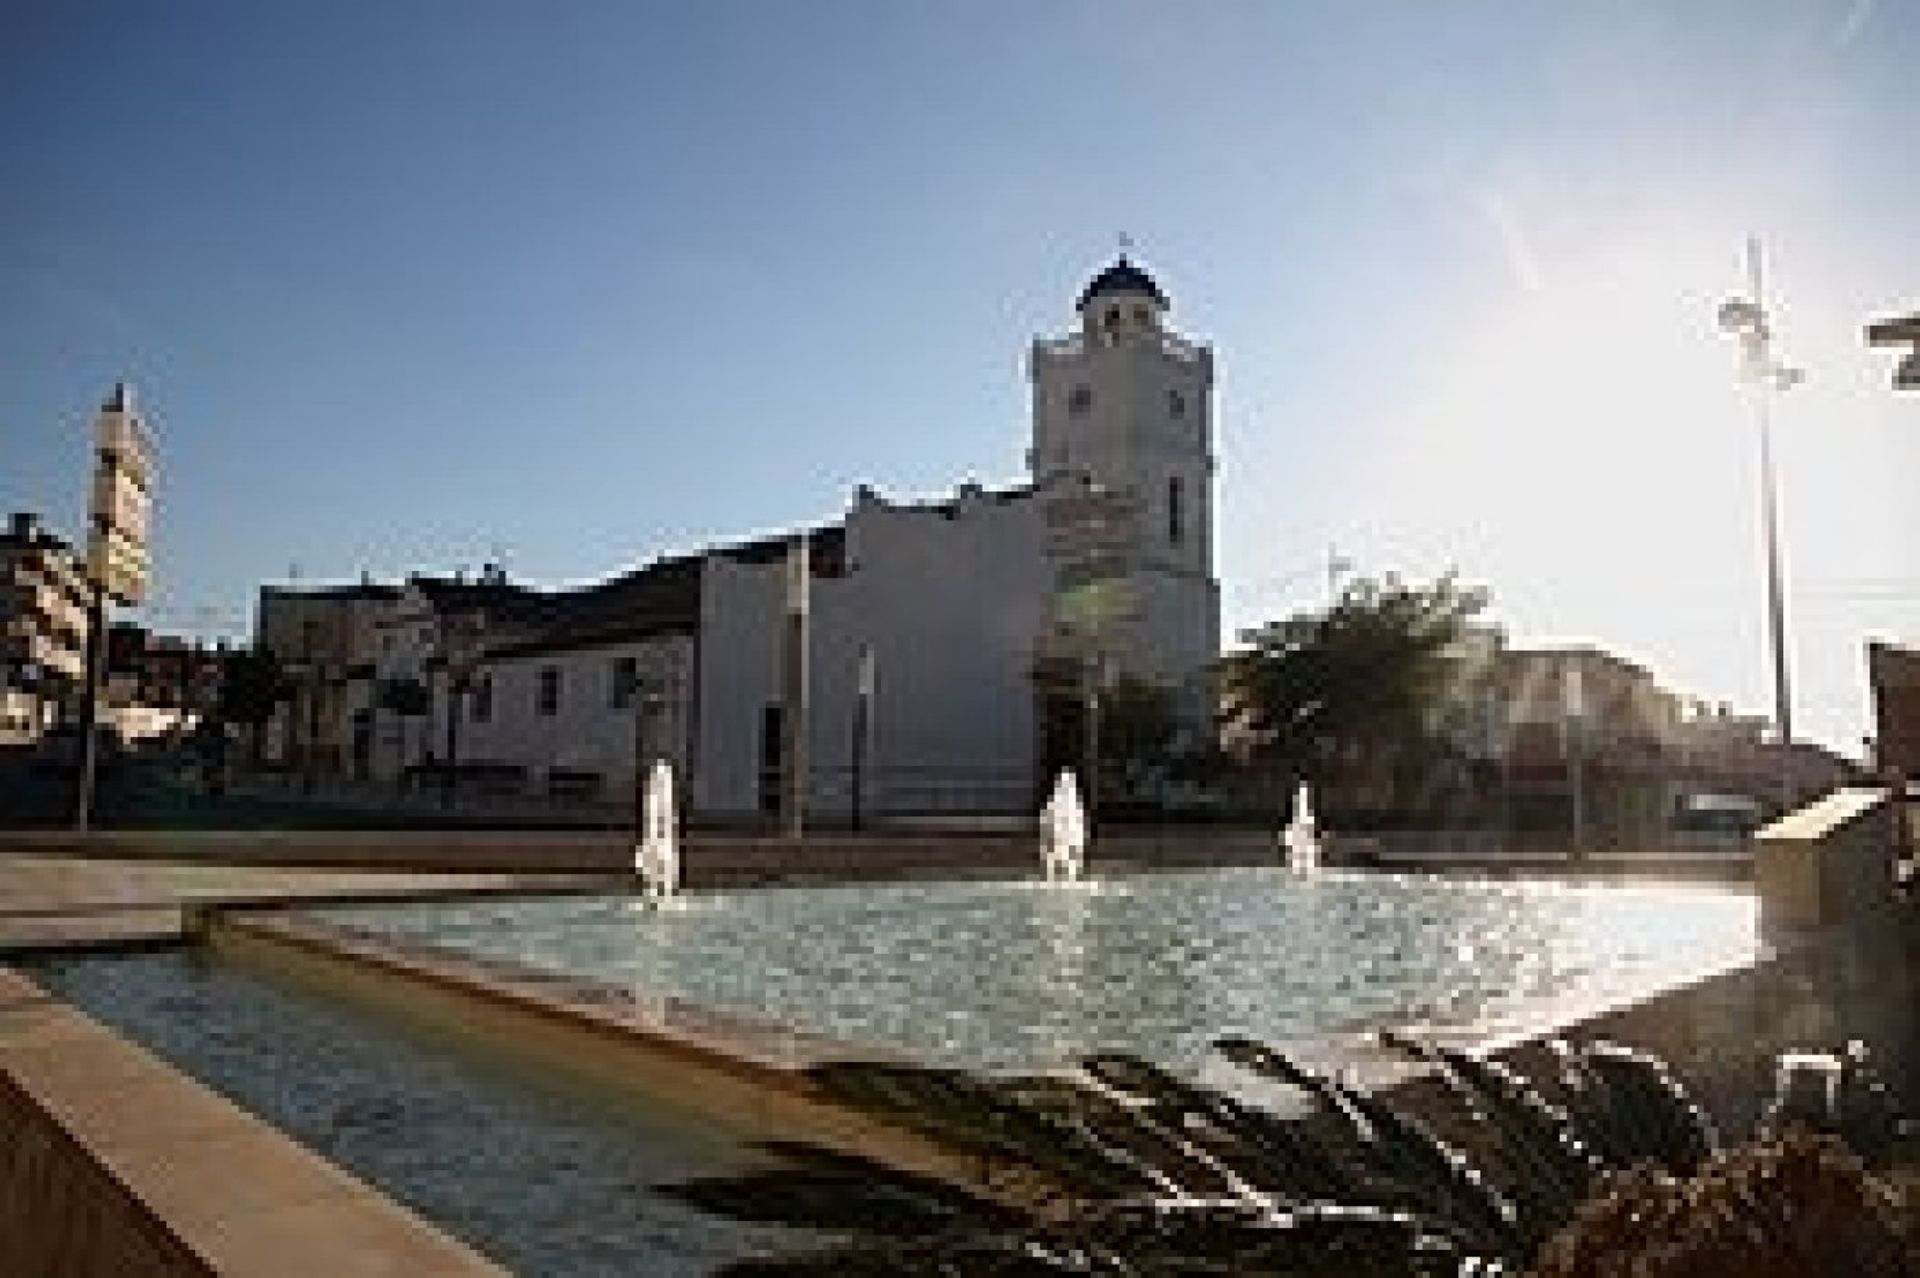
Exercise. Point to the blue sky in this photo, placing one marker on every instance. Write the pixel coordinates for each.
(408, 286)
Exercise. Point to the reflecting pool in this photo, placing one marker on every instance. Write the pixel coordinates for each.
(1021, 975)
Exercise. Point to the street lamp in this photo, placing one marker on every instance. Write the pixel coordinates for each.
(862, 727)
(650, 699)
(1745, 319)
(1097, 674)
(459, 683)
(311, 660)
(1904, 331)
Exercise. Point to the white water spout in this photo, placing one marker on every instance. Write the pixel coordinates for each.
(1302, 835)
(1063, 832)
(657, 857)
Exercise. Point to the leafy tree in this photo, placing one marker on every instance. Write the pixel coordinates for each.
(1354, 699)
(252, 684)
(1139, 732)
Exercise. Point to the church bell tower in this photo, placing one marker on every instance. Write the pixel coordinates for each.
(1122, 454)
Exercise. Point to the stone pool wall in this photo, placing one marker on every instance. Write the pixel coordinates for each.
(114, 1165)
(742, 1075)
(1722, 1035)
(711, 859)
(61, 1212)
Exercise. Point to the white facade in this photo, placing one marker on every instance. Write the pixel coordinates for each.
(968, 612)
(1122, 412)
(1105, 559)
(949, 599)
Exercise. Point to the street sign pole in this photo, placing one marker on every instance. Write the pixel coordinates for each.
(116, 561)
(90, 706)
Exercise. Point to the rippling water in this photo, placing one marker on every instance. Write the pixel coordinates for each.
(1013, 975)
(551, 1181)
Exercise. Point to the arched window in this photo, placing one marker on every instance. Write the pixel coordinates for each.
(1079, 400)
(1176, 517)
(1176, 403)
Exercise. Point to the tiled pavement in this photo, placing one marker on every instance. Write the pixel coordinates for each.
(56, 902)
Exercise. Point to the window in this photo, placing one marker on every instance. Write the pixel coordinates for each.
(1176, 403)
(480, 699)
(626, 678)
(547, 692)
(1113, 317)
(1175, 515)
(1079, 400)
(1140, 316)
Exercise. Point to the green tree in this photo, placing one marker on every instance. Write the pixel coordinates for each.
(1139, 734)
(1356, 699)
(252, 683)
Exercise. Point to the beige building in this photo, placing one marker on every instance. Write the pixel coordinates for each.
(43, 628)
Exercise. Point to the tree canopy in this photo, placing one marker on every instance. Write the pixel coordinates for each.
(1354, 698)
(251, 684)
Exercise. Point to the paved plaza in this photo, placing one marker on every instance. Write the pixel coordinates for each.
(58, 902)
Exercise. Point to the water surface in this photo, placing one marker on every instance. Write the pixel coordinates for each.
(1016, 975)
(546, 1179)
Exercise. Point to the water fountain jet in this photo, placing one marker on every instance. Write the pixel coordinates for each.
(1302, 835)
(656, 858)
(1063, 832)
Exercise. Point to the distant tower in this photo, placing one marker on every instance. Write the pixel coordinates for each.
(1123, 448)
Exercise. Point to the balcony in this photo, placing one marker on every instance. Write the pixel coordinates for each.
(1074, 345)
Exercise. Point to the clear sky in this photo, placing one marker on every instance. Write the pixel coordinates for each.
(410, 286)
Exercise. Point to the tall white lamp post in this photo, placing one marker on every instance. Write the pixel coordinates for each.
(1764, 375)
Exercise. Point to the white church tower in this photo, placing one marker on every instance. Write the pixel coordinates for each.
(1123, 457)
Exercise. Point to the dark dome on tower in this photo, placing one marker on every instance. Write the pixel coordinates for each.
(1122, 277)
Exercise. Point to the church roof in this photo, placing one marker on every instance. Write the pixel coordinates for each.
(1122, 277)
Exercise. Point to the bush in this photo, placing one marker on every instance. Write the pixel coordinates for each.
(1795, 1206)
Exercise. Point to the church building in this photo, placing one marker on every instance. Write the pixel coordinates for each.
(945, 648)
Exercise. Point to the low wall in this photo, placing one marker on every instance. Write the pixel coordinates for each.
(730, 1071)
(114, 1165)
(706, 858)
(1722, 1035)
(1831, 863)
(62, 1215)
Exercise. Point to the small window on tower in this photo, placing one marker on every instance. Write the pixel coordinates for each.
(1079, 400)
(1113, 317)
(1140, 315)
(1176, 403)
(1175, 515)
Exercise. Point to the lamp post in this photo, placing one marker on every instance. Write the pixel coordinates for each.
(650, 699)
(1095, 672)
(1904, 331)
(312, 662)
(1745, 319)
(1573, 710)
(457, 682)
(793, 720)
(862, 726)
(461, 653)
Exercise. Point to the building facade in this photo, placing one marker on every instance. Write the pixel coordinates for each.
(947, 641)
(43, 629)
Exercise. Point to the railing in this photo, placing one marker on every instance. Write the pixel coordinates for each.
(1076, 344)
